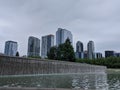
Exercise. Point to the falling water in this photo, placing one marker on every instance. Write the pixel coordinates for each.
(23, 72)
(23, 66)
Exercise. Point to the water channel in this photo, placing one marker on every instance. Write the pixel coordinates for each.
(84, 81)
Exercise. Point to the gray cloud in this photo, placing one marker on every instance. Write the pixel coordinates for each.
(97, 20)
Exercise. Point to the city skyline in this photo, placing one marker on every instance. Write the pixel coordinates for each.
(96, 20)
(55, 44)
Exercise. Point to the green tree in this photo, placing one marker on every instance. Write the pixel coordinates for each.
(64, 52)
(68, 54)
(110, 62)
(17, 54)
(52, 54)
(60, 52)
(34, 57)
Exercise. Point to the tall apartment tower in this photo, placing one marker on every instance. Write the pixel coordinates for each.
(79, 50)
(98, 55)
(62, 35)
(33, 47)
(47, 43)
(10, 48)
(91, 49)
(79, 47)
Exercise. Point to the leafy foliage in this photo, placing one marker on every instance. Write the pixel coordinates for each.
(36, 57)
(17, 54)
(111, 62)
(63, 52)
(52, 53)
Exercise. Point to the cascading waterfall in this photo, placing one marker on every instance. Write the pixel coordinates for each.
(23, 72)
(23, 66)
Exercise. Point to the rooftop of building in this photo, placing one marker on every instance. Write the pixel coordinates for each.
(48, 35)
(11, 41)
(63, 29)
(33, 37)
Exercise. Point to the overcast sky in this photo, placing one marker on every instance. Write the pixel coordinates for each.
(97, 20)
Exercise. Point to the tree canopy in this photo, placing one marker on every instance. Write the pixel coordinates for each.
(52, 53)
(17, 54)
(110, 62)
(63, 52)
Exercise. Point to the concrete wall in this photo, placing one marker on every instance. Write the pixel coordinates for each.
(23, 66)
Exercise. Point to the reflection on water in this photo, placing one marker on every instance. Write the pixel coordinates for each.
(114, 81)
(80, 81)
(91, 81)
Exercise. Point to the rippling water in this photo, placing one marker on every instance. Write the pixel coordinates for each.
(82, 81)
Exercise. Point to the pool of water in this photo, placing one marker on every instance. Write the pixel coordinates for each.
(86, 81)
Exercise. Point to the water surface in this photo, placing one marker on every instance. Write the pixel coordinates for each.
(85, 81)
(81, 81)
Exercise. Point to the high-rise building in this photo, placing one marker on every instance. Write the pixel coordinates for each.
(62, 35)
(79, 47)
(79, 50)
(109, 53)
(79, 55)
(117, 54)
(91, 49)
(85, 54)
(10, 48)
(47, 43)
(98, 55)
(33, 47)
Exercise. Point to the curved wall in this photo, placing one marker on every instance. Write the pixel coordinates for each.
(24, 66)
